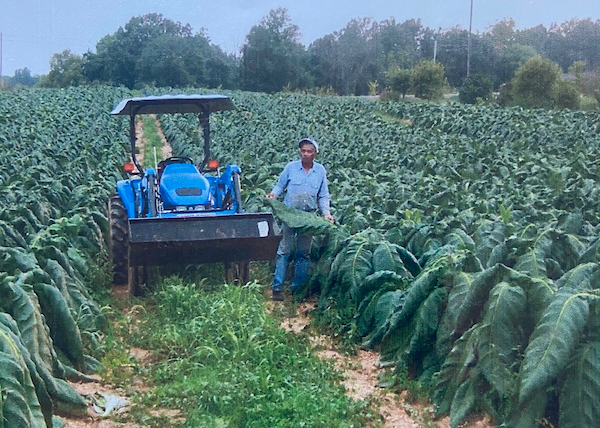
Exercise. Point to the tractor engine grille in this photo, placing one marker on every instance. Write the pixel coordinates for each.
(188, 191)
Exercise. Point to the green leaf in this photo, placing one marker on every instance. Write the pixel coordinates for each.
(386, 257)
(468, 307)
(420, 289)
(401, 322)
(489, 242)
(21, 407)
(63, 329)
(463, 401)
(500, 336)
(554, 340)
(303, 221)
(579, 278)
(379, 280)
(533, 261)
(454, 371)
(375, 316)
(579, 404)
(356, 265)
(1, 407)
(460, 238)
(427, 317)
(410, 261)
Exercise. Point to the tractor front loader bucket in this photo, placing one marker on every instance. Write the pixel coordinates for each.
(232, 239)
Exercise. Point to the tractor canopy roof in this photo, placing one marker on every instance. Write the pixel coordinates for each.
(199, 104)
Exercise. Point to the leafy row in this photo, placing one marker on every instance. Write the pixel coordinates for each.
(59, 163)
(467, 245)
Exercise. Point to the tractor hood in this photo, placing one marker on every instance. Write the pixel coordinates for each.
(199, 104)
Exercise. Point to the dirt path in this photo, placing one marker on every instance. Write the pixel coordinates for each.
(361, 378)
(140, 141)
(99, 389)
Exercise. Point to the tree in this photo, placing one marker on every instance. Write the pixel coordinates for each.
(322, 55)
(574, 40)
(357, 62)
(452, 54)
(513, 57)
(576, 70)
(272, 56)
(348, 60)
(476, 86)
(65, 71)
(535, 38)
(151, 50)
(398, 80)
(170, 61)
(533, 84)
(23, 77)
(566, 95)
(427, 80)
(398, 45)
(502, 34)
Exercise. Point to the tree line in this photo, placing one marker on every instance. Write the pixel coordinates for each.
(362, 58)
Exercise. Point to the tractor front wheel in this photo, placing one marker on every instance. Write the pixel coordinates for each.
(119, 239)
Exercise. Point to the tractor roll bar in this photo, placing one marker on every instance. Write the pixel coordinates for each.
(203, 105)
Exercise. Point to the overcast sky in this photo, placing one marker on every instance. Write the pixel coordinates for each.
(33, 30)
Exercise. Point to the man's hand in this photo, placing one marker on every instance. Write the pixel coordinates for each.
(329, 217)
(271, 195)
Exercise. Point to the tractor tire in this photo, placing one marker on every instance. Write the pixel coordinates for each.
(119, 239)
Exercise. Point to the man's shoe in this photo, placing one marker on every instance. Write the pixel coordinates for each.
(278, 295)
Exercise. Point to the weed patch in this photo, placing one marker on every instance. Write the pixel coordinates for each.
(226, 362)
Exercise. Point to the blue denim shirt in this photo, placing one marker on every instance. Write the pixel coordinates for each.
(306, 191)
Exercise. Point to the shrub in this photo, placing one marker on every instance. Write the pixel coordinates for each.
(505, 94)
(588, 103)
(427, 80)
(398, 80)
(591, 84)
(566, 95)
(476, 86)
(534, 83)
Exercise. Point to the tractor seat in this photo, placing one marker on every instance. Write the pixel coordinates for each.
(181, 185)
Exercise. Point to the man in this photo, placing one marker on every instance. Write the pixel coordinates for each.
(305, 184)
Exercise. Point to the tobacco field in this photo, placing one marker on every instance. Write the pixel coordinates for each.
(465, 248)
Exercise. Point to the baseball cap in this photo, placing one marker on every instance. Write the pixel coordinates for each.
(308, 140)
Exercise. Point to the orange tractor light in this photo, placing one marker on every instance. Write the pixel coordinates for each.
(213, 164)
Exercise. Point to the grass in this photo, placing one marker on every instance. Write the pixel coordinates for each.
(223, 361)
(153, 140)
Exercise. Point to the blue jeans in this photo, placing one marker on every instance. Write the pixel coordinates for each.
(284, 251)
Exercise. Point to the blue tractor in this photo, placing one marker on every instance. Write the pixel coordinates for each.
(179, 212)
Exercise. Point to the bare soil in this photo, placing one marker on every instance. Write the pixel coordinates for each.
(361, 373)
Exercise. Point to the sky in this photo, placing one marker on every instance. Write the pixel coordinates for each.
(33, 30)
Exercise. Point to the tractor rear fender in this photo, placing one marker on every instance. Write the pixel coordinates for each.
(132, 193)
(125, 189)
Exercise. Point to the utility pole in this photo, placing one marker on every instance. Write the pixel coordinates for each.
(469, 42)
